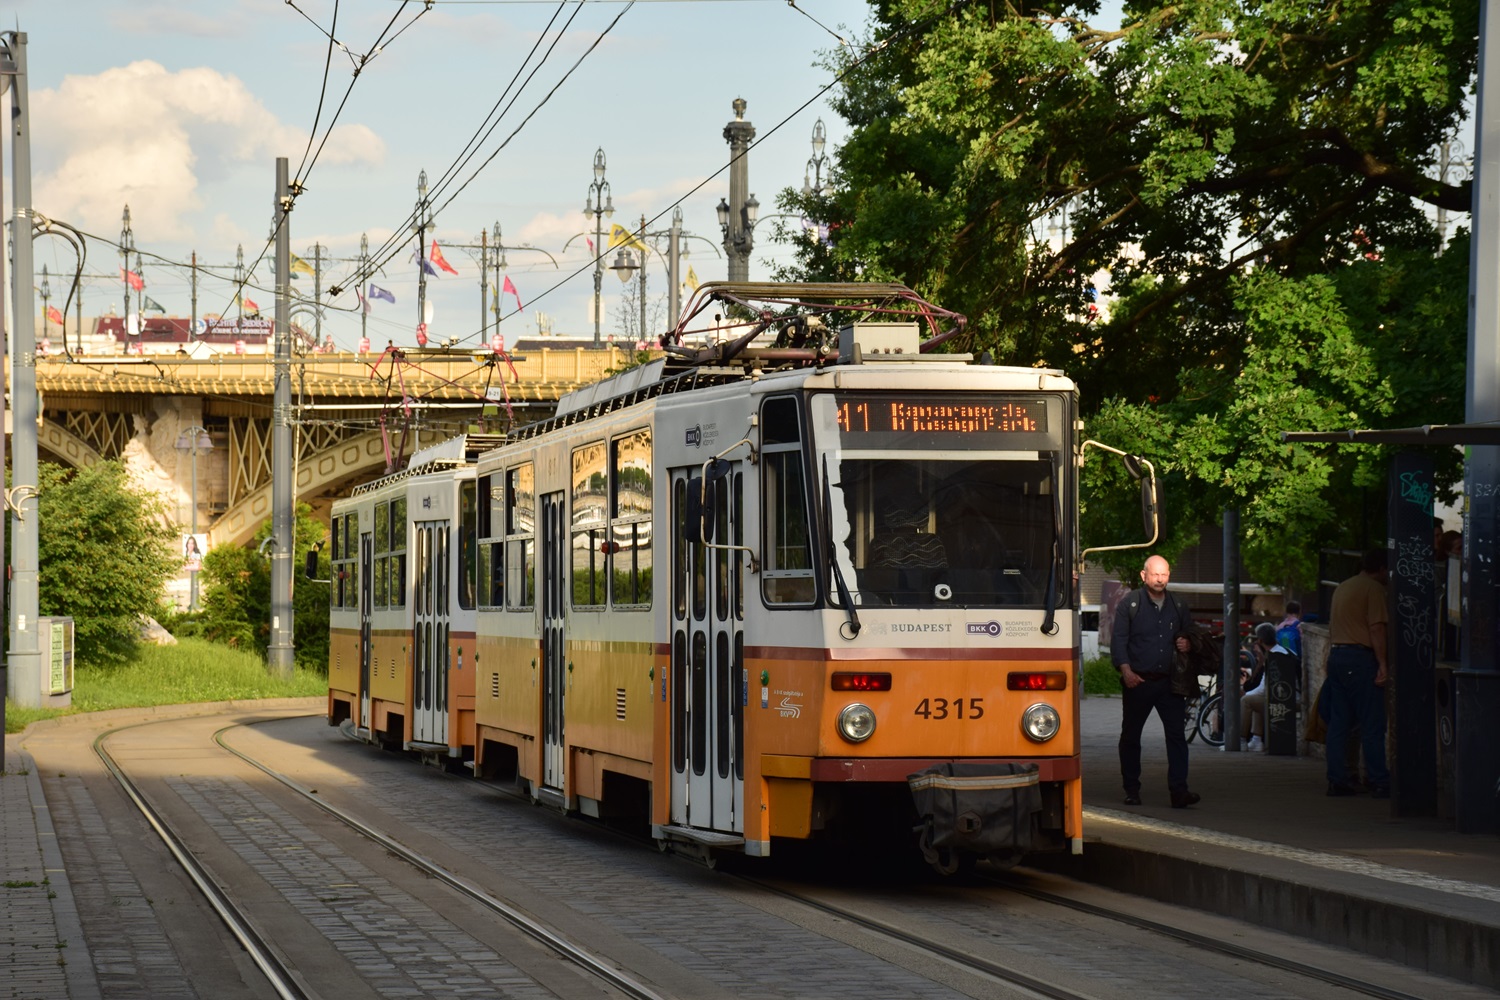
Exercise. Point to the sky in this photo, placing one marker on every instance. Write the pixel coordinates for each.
(179, 108)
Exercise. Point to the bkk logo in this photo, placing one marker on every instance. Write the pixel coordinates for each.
(991, 629)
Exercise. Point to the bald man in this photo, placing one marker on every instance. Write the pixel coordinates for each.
(1150, 626)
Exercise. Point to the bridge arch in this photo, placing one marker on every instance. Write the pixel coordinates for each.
(66, 446)
(357, 458)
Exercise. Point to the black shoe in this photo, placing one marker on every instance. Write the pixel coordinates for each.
(1132, 798)
(1379, 792)
(1181, 800)
(1340, 791)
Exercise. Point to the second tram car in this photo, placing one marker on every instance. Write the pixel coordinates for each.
(811, 592)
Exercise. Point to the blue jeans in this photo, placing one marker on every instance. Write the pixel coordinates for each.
(1138, 703)
(1354, 698)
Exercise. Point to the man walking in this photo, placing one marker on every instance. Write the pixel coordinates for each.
(1357, 674)
(1150, 625)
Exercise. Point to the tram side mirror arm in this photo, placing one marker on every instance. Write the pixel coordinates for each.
(1141, 470)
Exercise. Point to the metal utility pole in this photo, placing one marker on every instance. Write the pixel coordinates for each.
(193, 281)
(642, 336)
(600, 203)
(78, 306)
(423, 221)
(239, 289)
(25, 680)
(317, 252)
(737, 215)
(1230, 682)
(1477, 681)
(7, 73)
(282, 472)
(364, 309)
(127, 247)
(674, 262)
(46, 290)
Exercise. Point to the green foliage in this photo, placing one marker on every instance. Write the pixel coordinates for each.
(236, 598)
(1254, 178)
(1100, 677)
(104, 553)
(194, 670)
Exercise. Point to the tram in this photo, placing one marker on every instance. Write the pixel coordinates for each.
(810, 582)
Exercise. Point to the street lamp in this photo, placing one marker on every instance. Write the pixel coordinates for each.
(737, 215)
(192, 439)
(815, 165)
(600, 203)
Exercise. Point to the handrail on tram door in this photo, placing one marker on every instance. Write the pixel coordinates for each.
(1143, 472)
(704, 514)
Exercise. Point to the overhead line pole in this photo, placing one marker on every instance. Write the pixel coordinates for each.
(280, 652)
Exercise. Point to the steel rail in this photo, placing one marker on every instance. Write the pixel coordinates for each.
(552, 939)
(278, 974)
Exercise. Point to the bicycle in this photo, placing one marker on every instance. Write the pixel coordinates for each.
(1210, 721)
(1208, 689)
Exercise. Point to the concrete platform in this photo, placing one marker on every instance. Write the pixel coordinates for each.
(1267, 845)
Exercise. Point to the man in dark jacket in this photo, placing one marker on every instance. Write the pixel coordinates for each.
(1150, 628)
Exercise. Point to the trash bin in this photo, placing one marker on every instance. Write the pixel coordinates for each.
(55, 646)
(1283, 673)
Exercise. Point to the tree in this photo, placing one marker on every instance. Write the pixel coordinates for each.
(237, 596)
(1253, 178)
(105, 554)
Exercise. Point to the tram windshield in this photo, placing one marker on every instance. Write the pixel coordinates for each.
(958, 522)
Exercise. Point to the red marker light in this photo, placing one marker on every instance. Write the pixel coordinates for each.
(1039, 680)
(861, 682)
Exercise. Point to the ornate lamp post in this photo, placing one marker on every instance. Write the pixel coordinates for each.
(46, 290)
(192, 439)
(737, 215)
(600, 203)
(127, 247)
(815, 165)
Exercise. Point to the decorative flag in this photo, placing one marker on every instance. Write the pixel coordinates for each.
(511, 288)
(54, 315)
(437, 258)
(421, 334)
(692, 280)
(591, 246)
(619, 236)
(364, 303)
(134, 280)
(376, 292)
(300, 266)
(151, 305)
(249, 305)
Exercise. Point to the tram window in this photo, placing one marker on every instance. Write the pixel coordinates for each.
(960, 531)
(679, 701)
(519, 565)
(588, 568)
(739, 539)
(629, 556)
(589, 517)
(788, 574)
(724, 696)
(679, 541)
(468, 546)
(398, 553)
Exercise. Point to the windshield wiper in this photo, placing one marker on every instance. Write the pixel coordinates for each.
(833, 561)
(1049, 625)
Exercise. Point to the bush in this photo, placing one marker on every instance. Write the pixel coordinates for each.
(1099, 676)
(105, 553)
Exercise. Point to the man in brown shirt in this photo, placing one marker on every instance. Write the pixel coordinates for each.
(1357, 675)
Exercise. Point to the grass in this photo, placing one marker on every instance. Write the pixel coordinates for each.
(194, 670)
(1099, 676)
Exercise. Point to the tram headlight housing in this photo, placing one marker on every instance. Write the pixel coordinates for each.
(857, 722)
(1040, 722)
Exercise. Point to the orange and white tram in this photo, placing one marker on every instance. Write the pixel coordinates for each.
(743, 594)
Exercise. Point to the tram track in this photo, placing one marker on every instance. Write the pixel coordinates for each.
(280, 976)
(1010, 974)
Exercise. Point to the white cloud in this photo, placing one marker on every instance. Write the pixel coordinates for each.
(142, 135)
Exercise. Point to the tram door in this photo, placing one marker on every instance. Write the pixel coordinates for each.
(430, 634)
(554, 569)
(708, 675)
(366, 602)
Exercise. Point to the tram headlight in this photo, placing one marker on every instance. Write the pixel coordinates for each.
(857, 722)
(1040, 722)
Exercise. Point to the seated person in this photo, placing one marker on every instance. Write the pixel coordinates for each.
(1253, 702)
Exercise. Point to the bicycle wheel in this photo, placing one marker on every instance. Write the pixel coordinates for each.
(1191, 716)
(1211, 721)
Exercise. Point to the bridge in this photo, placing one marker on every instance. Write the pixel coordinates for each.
(352, 416)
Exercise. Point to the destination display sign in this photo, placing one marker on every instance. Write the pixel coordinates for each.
(981, 421)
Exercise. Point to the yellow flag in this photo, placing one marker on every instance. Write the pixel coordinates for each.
(300, 266)
(619, 236)
(692, 280)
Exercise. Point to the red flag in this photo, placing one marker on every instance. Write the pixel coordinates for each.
(422, 330)
(250, 305)
(135, 280)
(437, 258)
(54, 315)
(591, 246)
(508, 287)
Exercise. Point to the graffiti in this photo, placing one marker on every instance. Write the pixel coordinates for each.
(1413, 560)
(1415, 618)
(1417, 489)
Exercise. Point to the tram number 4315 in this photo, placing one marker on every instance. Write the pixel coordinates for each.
(938, 709)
